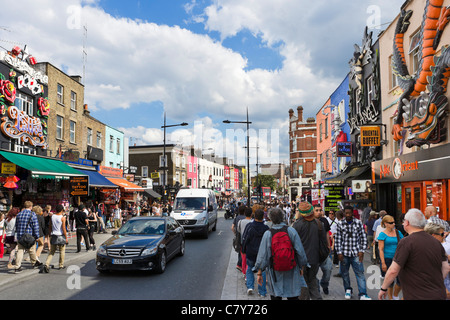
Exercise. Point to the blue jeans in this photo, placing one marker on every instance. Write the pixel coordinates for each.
(250, 282)
(326, 267)
(358, 268)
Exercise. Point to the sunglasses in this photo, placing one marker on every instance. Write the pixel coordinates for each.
(440, 234)
(390, 222)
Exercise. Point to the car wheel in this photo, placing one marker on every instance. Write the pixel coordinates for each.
(162, 262)
(182, 248)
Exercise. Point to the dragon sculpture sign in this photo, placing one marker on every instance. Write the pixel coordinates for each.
(423, 106)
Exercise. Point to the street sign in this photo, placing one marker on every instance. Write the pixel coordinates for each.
(79, 186)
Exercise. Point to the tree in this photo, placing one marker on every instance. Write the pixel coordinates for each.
(265, 181)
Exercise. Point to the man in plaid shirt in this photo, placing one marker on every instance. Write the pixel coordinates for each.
(22, 227)
(350, 244)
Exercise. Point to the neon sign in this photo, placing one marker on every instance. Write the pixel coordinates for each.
(19, 125)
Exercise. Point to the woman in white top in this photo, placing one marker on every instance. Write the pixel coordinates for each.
(58, 238)
(10, 238)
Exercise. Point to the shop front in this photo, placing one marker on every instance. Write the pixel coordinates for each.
(414, 180)
(42, 180)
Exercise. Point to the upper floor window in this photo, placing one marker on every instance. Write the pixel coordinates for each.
(73, 101)
(24, 103)
(60, 94)
(72, 131)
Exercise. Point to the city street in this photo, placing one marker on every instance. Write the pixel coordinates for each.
(206, 272)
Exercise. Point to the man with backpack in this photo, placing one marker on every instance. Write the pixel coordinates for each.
(311, 232)
(251, 240)
(282, 256)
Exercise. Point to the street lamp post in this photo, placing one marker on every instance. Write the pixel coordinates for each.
(248, 155)
(164, 152)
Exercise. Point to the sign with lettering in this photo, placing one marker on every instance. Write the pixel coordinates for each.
(110, 172)
(19, 125)
(370, 136)
(333, 195)
(344, 149)
(79, 186)
(8, 168)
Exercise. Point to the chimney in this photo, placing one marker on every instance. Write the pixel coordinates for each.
(300, 113)
(86, 110)
(291, 113)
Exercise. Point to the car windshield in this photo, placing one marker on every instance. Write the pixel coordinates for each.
(190, 204)
(143, 226)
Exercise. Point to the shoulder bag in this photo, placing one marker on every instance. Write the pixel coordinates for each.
(27, 240)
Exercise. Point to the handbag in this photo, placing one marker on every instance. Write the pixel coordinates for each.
(58, 240)
(27, 240)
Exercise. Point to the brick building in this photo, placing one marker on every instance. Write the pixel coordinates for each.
(302, 152)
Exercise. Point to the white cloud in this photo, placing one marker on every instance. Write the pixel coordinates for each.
(134, 62)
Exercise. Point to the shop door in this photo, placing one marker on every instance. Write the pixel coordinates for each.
(436, 195)
(411, 196)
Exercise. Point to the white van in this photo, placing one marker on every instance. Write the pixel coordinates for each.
(196, 210)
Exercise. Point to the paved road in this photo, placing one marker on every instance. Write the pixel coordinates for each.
(206, 272)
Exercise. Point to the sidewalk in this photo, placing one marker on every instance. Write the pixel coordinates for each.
(7, 275)
(235, 289)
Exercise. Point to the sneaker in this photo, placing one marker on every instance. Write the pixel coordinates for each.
(18, 270)
(250, 291)
(365, 297)
(325, 290)
(37, 264)
(46, 268)
(348, 294)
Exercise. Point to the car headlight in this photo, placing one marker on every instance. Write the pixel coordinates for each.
(149, 251)
(203, 220)
(101, 250)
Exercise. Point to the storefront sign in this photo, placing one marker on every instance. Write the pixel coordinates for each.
(344, 149)
(370, 136)
(19, 125)
(110, 172)
(334, 194)
(23, 66)
(79, 186)
(8, 168)
(426, 164)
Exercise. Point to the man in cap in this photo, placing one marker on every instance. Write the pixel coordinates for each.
(307, 227)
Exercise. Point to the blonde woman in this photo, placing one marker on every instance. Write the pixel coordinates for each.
(387, 244)
(41, 221)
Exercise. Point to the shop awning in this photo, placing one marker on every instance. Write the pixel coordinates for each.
(125, 184)
(97, 180)
(152, 193)
(349, 174)
(42, 167)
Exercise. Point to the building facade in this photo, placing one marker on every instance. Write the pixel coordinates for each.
(414, 87)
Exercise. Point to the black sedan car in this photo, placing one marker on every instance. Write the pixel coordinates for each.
(143, 243)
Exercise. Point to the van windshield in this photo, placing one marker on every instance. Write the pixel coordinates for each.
(190, 204)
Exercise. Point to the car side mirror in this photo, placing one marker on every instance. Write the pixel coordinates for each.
(210, 208)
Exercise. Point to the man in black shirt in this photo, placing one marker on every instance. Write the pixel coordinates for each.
(82, 225)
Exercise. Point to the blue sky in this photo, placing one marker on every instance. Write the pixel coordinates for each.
(200, 61)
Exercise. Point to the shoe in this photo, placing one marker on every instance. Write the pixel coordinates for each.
(37, 264)
(325, 290)
(365, 297)
(62, 268)
(46, 269)
(348, 294)
(10, 266)
(18, 270)
(250, 291)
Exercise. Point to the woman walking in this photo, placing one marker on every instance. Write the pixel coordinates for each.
(58, 238)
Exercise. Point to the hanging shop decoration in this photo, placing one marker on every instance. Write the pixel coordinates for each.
(422, 114)
(15, 123)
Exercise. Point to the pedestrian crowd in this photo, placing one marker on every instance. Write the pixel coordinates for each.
(284, 245)
(36, 230)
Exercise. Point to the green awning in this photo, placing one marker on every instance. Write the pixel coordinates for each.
(42, 167)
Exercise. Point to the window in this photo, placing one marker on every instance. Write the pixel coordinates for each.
(414, 52)
(190, 167)
(370, 90)
(72, 131)
(162, 162)
(320, 132)
(99, 139)
(118, 146)
(60, 94)
(394, 82)
(183, 162)
(326, 127)
(294, 144)
(144, 172)
(177, 161)
(24, 103)
(111, 144)
(59, 127)
(89, 136)
(73, 101)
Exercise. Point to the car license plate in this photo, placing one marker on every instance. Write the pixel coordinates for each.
(122, 261)
(187, 231)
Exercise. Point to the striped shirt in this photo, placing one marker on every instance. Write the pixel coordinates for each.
(350, 238)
